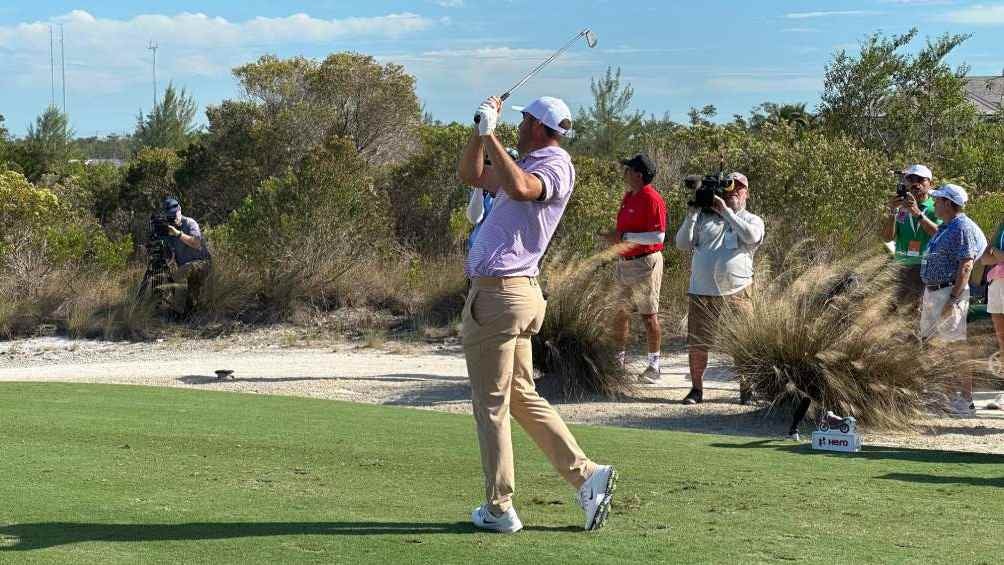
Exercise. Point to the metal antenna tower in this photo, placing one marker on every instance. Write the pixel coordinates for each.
(62, 59)
(153, 47)
(52, 69)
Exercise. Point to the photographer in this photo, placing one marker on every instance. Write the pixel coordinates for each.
(722, 238)
(641, 221)
(911, 223)
(190, 254)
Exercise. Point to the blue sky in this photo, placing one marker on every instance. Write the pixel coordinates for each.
(730, 53)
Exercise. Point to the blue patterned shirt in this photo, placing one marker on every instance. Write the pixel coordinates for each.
(953, 243)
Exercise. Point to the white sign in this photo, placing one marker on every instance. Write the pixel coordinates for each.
(836, 441)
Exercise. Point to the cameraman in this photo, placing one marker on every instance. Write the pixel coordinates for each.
(190, 253)
(722, 239)
(911, 222)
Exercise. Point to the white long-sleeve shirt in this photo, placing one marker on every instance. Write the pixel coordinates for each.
(723, 248)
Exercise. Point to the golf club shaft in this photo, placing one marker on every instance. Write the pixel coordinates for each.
(536, 69)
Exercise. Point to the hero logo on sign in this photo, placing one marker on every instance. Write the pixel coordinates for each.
(836, 441)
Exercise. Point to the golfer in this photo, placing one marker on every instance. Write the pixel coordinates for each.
(641, 220)
(505, 307)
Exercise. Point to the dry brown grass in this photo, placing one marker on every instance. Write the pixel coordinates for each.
(575, 345)
(823, 329)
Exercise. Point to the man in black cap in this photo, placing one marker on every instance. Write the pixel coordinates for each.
(190, 254)
(641, 221)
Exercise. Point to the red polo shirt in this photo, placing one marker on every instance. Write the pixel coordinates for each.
(640, 212)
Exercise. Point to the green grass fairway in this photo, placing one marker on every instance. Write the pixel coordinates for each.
(118, 474)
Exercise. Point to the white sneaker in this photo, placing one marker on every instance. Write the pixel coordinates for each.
(650, 376)
(506, 523)
(962, 408)
(595, 496)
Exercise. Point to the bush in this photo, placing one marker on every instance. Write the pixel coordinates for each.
(574, 346)
(425, 194)
(822, 329)
(301, 232)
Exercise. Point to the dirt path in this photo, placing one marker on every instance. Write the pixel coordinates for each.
(420, 375)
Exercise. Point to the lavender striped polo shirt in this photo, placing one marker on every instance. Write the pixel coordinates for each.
(515, 235)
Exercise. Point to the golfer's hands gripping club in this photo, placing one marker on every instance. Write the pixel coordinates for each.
(487, 115)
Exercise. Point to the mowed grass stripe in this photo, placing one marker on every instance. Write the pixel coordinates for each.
(121, 474)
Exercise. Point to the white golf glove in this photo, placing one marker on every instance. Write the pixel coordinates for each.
(489, 118)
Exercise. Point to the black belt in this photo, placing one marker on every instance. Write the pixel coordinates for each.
(632, 258)
(939, 286)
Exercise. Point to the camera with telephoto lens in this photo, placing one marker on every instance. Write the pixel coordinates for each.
(706, 188)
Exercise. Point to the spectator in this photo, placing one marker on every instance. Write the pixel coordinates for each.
(641, 220)
(994, 259)
(480, 204)
(911, 223)
(945, 270)
(722, 240)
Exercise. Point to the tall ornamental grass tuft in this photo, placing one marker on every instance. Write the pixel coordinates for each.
(824, 329)
(575, 345)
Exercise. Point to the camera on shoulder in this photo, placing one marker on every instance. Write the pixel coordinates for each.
(707, 187)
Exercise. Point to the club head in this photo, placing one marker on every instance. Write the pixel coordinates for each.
(590, 38)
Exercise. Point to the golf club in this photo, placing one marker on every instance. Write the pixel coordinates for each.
(590, 41)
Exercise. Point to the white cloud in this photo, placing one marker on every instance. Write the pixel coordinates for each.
(979, 14)
(449, 3)
(808, 15)
(104, 54)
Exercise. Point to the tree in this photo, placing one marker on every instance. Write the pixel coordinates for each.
(4, 144)
(347, 95)
(289, 108)
(904, 105)
(792, 114)
(703, 116)
(608, 129)
(170, 124)
(48, 145)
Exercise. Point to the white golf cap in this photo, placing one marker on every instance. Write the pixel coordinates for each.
(919, 170)
(952, 192)
(550, 111)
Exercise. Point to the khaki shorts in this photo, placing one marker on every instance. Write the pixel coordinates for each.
(702, 315)
(638, 282)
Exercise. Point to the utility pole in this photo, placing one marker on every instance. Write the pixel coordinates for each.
(62, 59)
(153, 47)
(52, 69)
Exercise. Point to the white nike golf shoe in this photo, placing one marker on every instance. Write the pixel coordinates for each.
(595, 496)
(506, 523)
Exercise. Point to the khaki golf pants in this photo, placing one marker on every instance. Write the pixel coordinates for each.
(500, 316)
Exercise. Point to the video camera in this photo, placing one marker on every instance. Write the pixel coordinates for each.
(706, 188)
(709, 186)
(160, 225)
